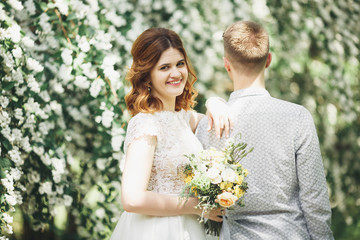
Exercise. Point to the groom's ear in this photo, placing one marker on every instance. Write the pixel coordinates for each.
(226, 64)
(268, 60)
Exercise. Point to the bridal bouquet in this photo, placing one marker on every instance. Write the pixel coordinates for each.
(217, 179)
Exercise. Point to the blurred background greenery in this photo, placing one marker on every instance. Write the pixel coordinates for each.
(316, 52)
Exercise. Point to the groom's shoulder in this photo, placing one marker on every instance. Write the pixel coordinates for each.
(287, 106)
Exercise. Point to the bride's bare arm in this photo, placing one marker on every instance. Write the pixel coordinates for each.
(135, 197)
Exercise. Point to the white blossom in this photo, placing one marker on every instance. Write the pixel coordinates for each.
(17, 76)
(16, 4)
(67, 200)
(65, 73)
(59, 189)
(15, 173)
(8, 183)
(8, 219)
(101, 163)
(17, 52)
(33, 176)
(100, 213)
(44, 22)
(83, 43)
(33, 84)
(95, 87)
(117, 138)
(25, 144)
(107, 117)
(45, 187)
(34, 65)
(63, 6)
(90, 73)
(30, 7)
(4, 122)
(56, 107)
(4, 101)
(20, 90)
(8, 229)
(2, 18)
(11, 199)
(6, 131)
(28, 42)
(15, 156)
(82, 82)
(66, 56)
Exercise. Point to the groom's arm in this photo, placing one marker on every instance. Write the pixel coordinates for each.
(313, 192)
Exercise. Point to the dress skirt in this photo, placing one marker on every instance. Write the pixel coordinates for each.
(133, 226)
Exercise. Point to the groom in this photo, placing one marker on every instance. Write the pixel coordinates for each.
(287, 196)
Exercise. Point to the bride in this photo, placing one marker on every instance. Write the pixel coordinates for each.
(158, 136)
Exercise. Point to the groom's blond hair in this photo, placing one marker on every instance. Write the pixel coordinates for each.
(246, 45)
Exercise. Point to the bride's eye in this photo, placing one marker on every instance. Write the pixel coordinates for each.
(180, 64)
(164, 67)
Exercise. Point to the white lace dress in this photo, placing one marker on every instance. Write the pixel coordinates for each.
(174, 139)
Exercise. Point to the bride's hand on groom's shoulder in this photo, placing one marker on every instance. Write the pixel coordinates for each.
(219, 116)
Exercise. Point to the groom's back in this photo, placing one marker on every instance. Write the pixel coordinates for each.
(283, 162)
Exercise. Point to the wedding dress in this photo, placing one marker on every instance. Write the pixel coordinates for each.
(174, 139)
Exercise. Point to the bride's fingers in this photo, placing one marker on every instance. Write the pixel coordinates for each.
(216, 215)
(210, 123)
(227, 127)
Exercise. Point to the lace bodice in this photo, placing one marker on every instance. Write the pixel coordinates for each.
(174, 139)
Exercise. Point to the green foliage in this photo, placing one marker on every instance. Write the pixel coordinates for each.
(62, 112)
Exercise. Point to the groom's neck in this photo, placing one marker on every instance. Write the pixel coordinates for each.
(242, 81)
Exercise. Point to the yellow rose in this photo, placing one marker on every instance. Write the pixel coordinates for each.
(246, 172)
(239, 192)
(226, 199)
(222, 185)
(228, 185)
(240, 179)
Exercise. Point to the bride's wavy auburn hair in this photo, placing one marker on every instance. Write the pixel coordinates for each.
(146, 52)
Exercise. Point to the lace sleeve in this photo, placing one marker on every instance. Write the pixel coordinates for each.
(187, 115)
(140, 125)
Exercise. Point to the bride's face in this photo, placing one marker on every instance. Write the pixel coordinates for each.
(169, 75)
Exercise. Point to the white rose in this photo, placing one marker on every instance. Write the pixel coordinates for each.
(229, 175)
(214, 174)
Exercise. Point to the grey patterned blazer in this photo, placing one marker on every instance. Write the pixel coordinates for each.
(287, 196)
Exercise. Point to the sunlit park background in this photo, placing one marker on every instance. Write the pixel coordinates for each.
(63, 117)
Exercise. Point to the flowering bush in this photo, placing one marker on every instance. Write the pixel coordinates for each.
(62, 113)
(216, 178)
